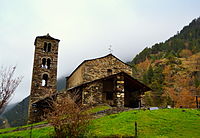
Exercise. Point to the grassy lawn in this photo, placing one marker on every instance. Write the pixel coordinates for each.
(45, 132)
(13, 128)
(156, 123)
(165, 123)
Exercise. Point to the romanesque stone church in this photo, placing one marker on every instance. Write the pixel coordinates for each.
(102, 80)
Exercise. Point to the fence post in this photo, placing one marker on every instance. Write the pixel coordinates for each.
(197, 102)
(31, 131)
(135, 129)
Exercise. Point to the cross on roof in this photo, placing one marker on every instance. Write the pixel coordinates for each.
(110, 49)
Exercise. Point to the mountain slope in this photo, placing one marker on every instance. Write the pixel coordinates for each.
(188, 38)
(172, 69)
(17, 116)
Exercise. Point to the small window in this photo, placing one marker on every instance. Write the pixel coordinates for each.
(45, 47)
(48, 63)
(109, 96)
(43, 62)
(44, 80)
(49, 47)
(109, 71)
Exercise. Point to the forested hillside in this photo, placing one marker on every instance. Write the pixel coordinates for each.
(184, 43)
(172, 69)
(17, 116)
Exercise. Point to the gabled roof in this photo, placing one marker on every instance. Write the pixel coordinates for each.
(95, 59)
(46, 37)
(139, 85)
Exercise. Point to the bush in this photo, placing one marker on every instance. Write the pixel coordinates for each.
(68, 118)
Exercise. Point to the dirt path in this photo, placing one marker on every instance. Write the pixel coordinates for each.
(113, 110)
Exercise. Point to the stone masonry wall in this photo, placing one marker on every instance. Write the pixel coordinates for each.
(92, 93)
(98, 68)
(76, 78)
(119, 99)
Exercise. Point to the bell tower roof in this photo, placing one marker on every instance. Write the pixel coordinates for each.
(45, 37)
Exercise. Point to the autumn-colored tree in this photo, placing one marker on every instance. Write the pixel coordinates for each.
(181, 92)
(185, 99)
(143, 66)
(185, 53)
(8, 84)
(68, 118)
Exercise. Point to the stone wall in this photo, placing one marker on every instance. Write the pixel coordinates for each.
(76, 78)
(101, 67)
(120, 91)
(92, 93)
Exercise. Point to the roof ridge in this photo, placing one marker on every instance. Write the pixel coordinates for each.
(95, 59)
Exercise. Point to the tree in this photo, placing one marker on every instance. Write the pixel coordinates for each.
(8, 84)
(148, 75)
(185, 53)
(68, 117)
(181, 91)
(148, 100)
(145, 79)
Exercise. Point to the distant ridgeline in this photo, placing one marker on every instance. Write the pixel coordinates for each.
(188, 38)
(17, 116)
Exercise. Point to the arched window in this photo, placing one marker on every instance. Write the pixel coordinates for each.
(48, 63)
(49, 47)
(44, 80)
(43, 62)
(45, 47)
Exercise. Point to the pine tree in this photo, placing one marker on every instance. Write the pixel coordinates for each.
(150, 74)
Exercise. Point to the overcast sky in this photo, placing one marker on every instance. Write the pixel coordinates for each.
(86, 28)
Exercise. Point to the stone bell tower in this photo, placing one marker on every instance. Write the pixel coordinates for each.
(44, 75)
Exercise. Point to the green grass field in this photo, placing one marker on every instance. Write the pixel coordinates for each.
(164, 123)
(14, 128)
(157, 123)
